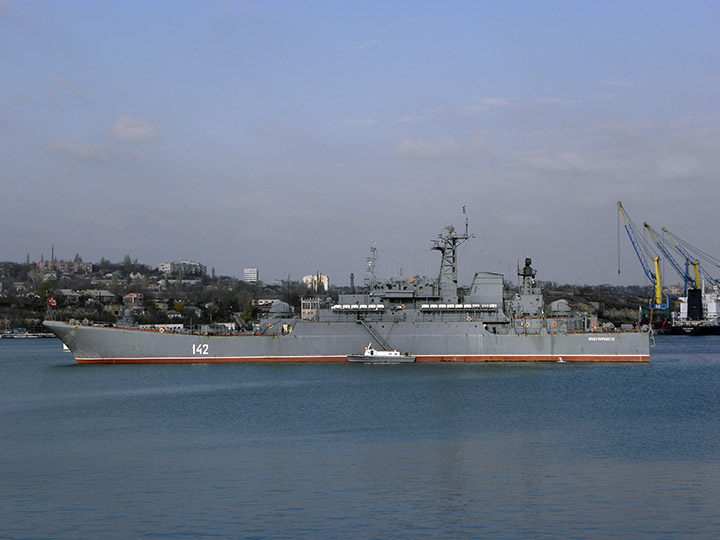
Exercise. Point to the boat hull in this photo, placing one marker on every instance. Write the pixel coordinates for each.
(312, 341)
(381, 359)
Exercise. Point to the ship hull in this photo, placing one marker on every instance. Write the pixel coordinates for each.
(313, 341)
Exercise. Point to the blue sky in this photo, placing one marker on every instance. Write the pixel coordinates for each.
(291, 136)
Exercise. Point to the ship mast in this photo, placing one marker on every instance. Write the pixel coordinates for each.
(447, 245)
(370, 278)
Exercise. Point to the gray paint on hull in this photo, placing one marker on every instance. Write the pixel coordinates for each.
(326, 340)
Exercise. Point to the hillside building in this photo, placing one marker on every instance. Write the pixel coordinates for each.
(183, 268)
(250, 275)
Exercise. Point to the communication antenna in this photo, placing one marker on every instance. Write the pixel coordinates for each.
(466, 223)
(370, 278)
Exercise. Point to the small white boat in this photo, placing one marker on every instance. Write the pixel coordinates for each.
(373, 356)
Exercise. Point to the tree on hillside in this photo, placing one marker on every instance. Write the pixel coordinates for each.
(46, 289)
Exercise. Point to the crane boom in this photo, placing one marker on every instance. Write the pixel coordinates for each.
(682, 247)
(664, 250)
(640, 250)
(631, 230)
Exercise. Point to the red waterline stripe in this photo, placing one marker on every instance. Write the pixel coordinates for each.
(335, 359)
(536, 358)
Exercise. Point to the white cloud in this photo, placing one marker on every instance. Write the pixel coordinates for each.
(616, 88)
(365, 45)
(632, 128)
(87, 152)
(679, 167)
(413, 117)
(427, 149)
(361, 122)
(281, 131)
(486, 103)
(130, 129)
(417, 117)
(621, 84)
(558, 162)
(479, 145)
(712, 81)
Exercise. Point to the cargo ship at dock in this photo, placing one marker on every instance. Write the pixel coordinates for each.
(428, 319)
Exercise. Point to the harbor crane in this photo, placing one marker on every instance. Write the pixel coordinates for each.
(687, 249)
(643, 249)
(683, 273)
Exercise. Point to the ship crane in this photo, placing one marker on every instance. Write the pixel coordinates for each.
(660, 243)
(643, 249)
(687, 250)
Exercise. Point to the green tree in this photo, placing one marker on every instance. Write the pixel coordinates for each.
(46, 289)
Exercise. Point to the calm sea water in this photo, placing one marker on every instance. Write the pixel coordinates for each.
(360, 451)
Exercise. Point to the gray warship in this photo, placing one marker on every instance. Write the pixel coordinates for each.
(432, 320)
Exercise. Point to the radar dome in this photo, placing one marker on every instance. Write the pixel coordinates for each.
(560, 308)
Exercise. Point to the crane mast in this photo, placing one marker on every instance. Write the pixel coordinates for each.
(641, 251)
(658, 286)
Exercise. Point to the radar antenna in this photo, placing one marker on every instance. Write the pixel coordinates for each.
(447, 245)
